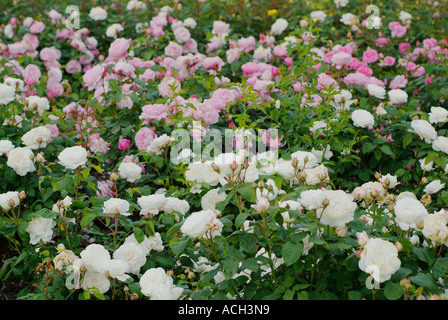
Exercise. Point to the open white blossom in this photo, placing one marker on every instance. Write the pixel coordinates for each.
(379, 258)
(408, 212)
(157, 285)
(40, 229)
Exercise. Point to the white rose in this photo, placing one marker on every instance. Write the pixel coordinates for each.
(130, 171)
(95, 258)
(15, 83)
(318, 15)
(37, 137)
(5, 146)
(133, 254)
(212, 198)
(397, 96)
(64, 258)
(174, 204)
(440, 144)
(40, 229)
(95, 280)
(159, 144)
(438, 114)
(113, 30)
(73, 157)
(340, 210)
(405, 17)
(9, 200)
(376, 91)
(117, 269)
(21, 160)
(316, 175)
(202, 172)
(148, 244)
(312, 199)
(389, 181)
(362, 118)
(198, 223)
(7, 94)
(424, 130)
(305, 159)
(383, 256)
(348, 19)
(98, 14)
(435, 228)
(190, 23)
(38, 104)
(157, 285)
(321, 155)
(151, 204)
(116, 206)
(135, 5)
(341, 3)
(434, 187)
(408, 212)
(426, 167)
(279, 26)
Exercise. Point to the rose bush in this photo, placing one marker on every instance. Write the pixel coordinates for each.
(224, 150)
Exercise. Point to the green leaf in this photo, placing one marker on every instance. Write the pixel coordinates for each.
(46, 213)
(425, 280)
(407, 140)
(368, 147)
(240, 219)
(386, 149)
(248, 242)
(291, 252)
(425, 254)
(87, 217)
(230, 267)
(178, 246)
(431, 157)
(66, 184)
(354, 295)
(440, 267)
(247, 192)
(393, 291)
(139, 234)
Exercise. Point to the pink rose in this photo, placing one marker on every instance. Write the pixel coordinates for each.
(356, 78)
(31, 73)
(246, 44)
(93, 78)
(118, 49)
(221, 28)
(389, 61)
(124, 144)
(55, 89)
(144, 137)
(404, 47)
(182, 34)
(73, 66)
(325, 81)
(37, 27)
(399, 81)
(370, 56)
(156, 111)
(173, 50)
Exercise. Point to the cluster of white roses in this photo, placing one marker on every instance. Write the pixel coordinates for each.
(96, 267)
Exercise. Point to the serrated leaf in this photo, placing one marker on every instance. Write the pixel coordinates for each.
(407, 140)
(177, 247)
(393, 291)
(139, 234)
(291, 252)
